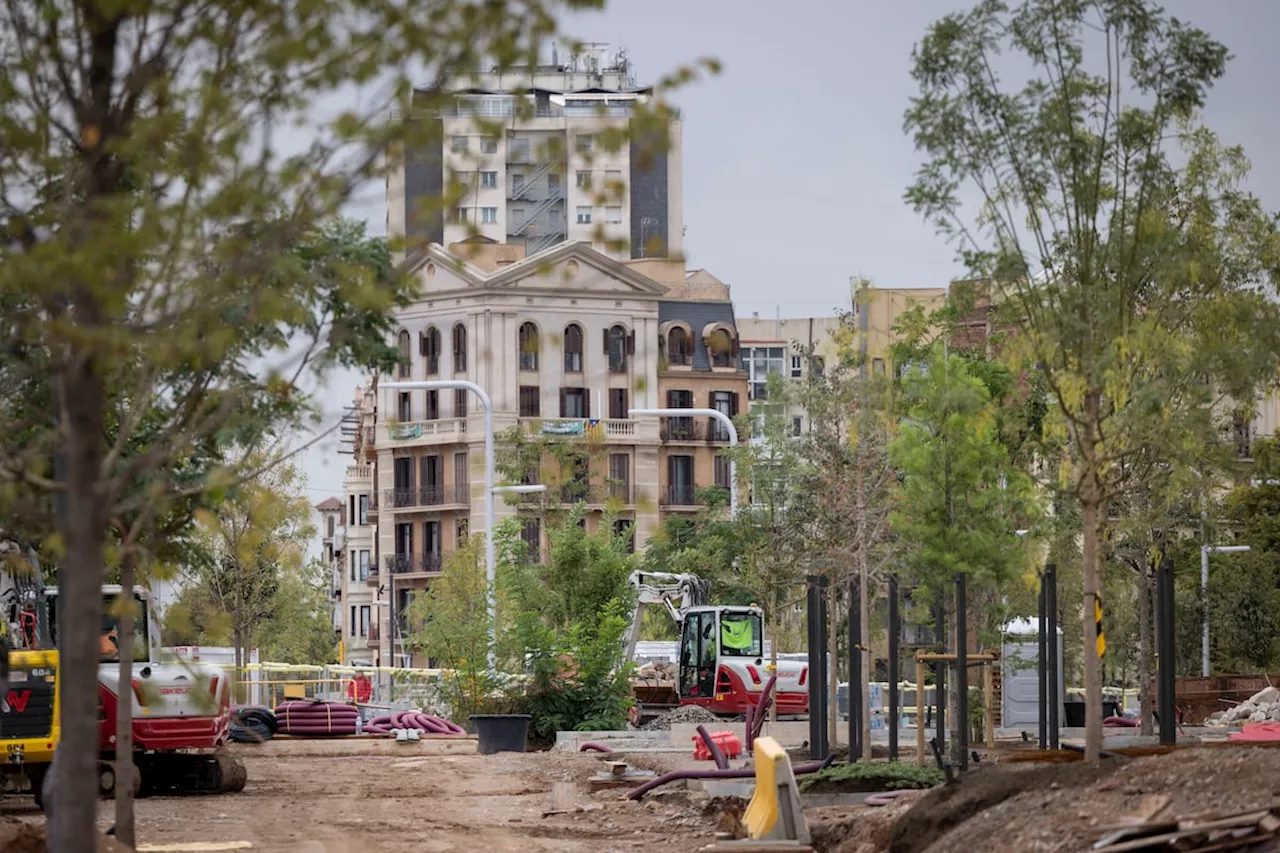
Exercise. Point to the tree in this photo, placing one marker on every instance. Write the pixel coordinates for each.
(960, 498)
(1130, 281)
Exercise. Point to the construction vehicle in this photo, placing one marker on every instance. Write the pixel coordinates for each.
(181, 711)
(29, 712)
(721, 662)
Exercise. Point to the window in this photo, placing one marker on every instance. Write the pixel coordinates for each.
(584, 216)
(530, 401)
(680, 429)
(460, 403)
(721, 348)
(679, 347)
(626, 528)
(459, 348)
(364, 620)
(724, 472)
(458, 144)
(573, 348)
(613, 179)
(489, 180)
(613, 215)
(433, 405)
(460, 531)
(531, 535)
(528, 346)
(620, 476)
(332, 524)
(352, 625)
(680, 480)
(796, 366)
(461, 471)
(573, 403)
(431, 543)
(518, 149)
(517, 184)
(553, 184)
(618, 403)
(583, 143)
(725, 402)
(877, 366)
(583, 180)
(406, 408)
(459, 214)
(429, 349)
(364, 565)
(405, 365)
(617, 344)
(364, 510)
(353, 566)
(817, 367)
(488, 145)
(489, 215)
(759, 362)
(797, 426)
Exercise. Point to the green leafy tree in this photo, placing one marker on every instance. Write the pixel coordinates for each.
(1127, 267)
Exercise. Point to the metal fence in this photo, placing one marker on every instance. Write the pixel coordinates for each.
(393, 688)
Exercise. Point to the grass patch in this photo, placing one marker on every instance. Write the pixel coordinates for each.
(861, 777)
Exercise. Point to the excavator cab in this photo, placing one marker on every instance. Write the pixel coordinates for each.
(713, 641)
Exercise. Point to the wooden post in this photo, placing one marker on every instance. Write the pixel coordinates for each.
(920, 718)
(989, 702)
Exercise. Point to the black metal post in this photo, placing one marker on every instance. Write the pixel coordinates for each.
(856, 683)
(823, 627)
(817, 677)
(940, 675)
(1166, 647)
(1051, 616)
(1041, 668)
(895, 634)
(962, 673)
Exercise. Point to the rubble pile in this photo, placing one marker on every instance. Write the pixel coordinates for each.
(683, 714)
(1262, 707)
(660, 671)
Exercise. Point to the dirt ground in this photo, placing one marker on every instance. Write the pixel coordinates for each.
(415, 804)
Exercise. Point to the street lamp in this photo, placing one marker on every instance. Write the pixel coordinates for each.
(489, 554)
(1204, 596)
(715, 414)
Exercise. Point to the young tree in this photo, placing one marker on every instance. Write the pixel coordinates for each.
(1130, 281)
(960, 498)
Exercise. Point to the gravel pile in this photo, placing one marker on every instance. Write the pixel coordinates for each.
(683, 714)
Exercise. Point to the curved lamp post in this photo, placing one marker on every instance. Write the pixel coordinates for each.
(708, 413)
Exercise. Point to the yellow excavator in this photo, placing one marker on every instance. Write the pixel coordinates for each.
(29, 676)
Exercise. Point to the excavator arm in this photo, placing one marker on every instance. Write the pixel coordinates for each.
(676, 592)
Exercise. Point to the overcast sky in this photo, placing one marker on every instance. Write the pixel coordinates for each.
(794, 157)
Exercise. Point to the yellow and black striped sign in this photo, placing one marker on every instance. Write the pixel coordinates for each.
(1097, 620)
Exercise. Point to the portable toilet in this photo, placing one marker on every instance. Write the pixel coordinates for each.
(1020, 677)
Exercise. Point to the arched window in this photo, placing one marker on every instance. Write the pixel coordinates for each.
(430, 346)
(405, 364)
(459, 348)
(528, 346)
(721, 348)
(573, 348)
(617, 345)
(679, 347)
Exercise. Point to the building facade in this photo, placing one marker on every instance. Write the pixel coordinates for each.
(565, 344)
(332, 546)
(528, 158)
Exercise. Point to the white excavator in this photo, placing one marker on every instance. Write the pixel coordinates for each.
(721, 662)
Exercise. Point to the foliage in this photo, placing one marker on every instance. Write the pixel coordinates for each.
(708, 544)
(1130, 280)
(870, 776)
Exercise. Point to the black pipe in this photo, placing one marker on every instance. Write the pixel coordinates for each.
(940, 674)
(1166, 646)
(962, 673)
(1054, 676)
(1042, 630)
(856, 685)
(826, 662)
(895, 633)
(817, 679)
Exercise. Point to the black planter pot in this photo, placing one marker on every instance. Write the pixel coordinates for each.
(501, 732)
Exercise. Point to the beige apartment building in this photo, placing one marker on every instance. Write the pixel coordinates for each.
(565, 343)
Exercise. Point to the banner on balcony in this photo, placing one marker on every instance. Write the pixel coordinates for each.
(562, 428)
(402, 432)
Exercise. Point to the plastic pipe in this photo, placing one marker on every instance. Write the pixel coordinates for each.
(742, 773)
(717, 755)
(884, 798)
(592, 746)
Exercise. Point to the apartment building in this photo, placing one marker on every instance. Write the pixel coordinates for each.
(332, 544)
(565, 343)
(523, 158)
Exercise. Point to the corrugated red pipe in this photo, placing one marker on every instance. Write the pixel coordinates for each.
(742, 773)
(592, 746)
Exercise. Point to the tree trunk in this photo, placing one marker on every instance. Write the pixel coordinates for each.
(1144, 649)
(84, 527)
(1089, 506)
(833, 639)
(124, 709)
(864, 657)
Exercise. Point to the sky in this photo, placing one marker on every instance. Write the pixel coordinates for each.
(795, 159)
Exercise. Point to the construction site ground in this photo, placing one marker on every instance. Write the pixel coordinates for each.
(330, 797)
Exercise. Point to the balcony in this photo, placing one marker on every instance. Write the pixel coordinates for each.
(694, 430)
(438, 431)
(371, 577)
(591, 494)
(610, 428)
(360, 472)
(414, 564)
(680, 496)
(457, 496)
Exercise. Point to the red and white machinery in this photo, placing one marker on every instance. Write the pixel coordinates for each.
(181, 711)
(721, 664)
